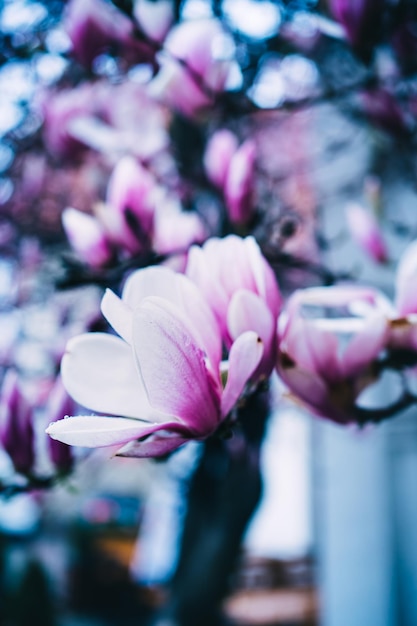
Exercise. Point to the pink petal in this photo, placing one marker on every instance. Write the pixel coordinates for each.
(151, 281)
(365, 346)
(231, 253)
(247, 311)
(130, 187)
(219, 151)
(366, 232)
(323, 347)
(93, 431)
(99, 372)
(173, 368)
(183, 293)
(239, 185)
(153, 446)
(244, 357)
(266, 284)
(87, 237)
(310, 390)
(176, 231)
(303, 343)
(155, 18)
(406, 279)
(118, 314)
(201, 271)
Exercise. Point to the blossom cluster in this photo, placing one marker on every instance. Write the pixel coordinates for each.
(160, 380)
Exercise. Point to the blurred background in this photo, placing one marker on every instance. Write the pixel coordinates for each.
(330, 104)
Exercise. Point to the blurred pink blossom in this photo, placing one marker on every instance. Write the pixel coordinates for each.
(326, 362)
(204, 47)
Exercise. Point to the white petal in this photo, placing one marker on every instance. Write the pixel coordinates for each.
(99, 372)
(93, 431)
(118, 314)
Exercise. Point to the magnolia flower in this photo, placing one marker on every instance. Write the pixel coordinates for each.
(241, 288)
(195, 65)
(366, 232)
(328, 361)
(16, 427)
(159, 383)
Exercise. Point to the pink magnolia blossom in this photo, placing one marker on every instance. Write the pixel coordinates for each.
(87, 237)
(366, 232)
(130, 205)
(16, 426)
(241, 288)
(162, 373)
(199, 44)
(326, 362)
